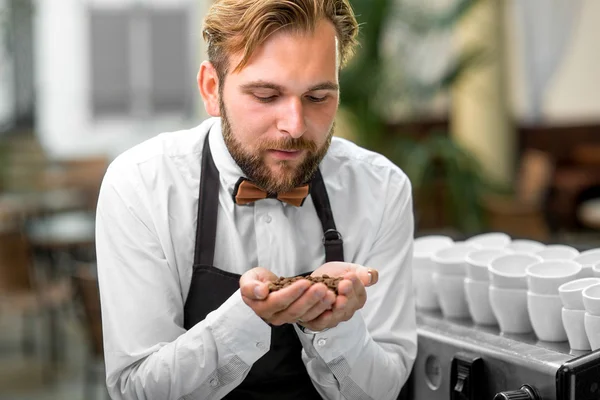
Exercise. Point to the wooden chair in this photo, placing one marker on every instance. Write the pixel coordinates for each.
(85, 284)
(22, 293)
(82, 174)
(522, 215)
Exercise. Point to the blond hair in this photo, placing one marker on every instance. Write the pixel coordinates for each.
(241, 26)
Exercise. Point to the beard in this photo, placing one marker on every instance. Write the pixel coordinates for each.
(253, 165)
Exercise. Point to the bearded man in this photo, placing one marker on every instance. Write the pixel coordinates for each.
(195, 227)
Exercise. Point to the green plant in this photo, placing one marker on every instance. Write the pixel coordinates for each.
(370, 84)
(439, 159)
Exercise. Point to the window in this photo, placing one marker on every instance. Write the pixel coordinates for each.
(140, 62)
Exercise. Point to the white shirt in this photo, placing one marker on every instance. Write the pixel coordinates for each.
(145, 233)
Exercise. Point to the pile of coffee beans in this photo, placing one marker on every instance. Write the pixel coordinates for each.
(282, 282)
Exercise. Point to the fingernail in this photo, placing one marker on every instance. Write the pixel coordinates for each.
(257, 292)
(370, 273)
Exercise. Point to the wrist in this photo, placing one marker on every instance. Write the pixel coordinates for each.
(309, 331)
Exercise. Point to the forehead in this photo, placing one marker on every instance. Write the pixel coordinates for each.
(293, 60)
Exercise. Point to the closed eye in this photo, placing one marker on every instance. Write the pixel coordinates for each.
(267, 99)
(316, 99)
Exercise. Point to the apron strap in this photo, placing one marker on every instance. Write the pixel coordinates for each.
(208, 207)
(332, 239)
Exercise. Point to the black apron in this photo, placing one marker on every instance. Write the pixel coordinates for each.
(279, 374)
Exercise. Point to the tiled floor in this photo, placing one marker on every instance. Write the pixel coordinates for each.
(26, 377)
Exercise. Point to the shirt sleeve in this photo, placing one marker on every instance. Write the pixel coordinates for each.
(371, 355)
(148, 353)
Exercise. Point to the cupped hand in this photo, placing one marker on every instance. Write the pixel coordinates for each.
(351, 294)
(286, 305)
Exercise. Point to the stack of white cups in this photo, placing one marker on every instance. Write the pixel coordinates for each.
(449, 277)
(423, 269)
(508, 291)
(477, 282)
(573, 311)
(588, 259)
(525, 246)
(591, 302)
(477, 285)
(543, 301)
(558, 252)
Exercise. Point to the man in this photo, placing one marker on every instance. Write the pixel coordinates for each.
(193, 225)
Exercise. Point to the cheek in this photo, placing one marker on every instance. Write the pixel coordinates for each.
(321, 119)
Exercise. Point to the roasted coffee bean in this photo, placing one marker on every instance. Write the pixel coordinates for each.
(283, 282)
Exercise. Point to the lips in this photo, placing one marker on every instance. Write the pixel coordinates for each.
(285, 154)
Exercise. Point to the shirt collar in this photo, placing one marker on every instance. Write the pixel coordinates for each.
(228, 169)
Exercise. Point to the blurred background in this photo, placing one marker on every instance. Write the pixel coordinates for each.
(490, 106)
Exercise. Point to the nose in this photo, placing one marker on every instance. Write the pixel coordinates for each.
(292, 119)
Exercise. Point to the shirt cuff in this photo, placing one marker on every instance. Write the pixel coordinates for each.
(236, 326)
(346, 339)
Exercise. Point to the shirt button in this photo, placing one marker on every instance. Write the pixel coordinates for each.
(268, 219)
(321, 342)
(214, 382)
(261, 346)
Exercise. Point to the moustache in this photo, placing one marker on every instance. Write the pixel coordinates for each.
(289, 144)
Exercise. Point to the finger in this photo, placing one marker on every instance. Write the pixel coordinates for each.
(368, 276)
(323, 321)
(254, 289)
(319, 308)
(254, 283)
(300, 306)
(279, 300)
(358, 294)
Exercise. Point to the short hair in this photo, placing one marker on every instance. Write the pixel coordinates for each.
(241, 26)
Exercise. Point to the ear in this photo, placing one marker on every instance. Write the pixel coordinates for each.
(208, 84)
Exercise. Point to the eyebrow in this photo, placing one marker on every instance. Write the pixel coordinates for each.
(270, 85)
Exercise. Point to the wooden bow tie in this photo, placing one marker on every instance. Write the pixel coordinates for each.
(246, 192)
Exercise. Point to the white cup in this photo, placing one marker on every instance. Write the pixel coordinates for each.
(508, 271)
(478, 301)
(428, 245)
(546, 318)
(592, 330)
(492, 240)
(571, 292)
(558, 252)
(451, 294)
(588, 259)
(591, 299)
(573, 322)
(452, 260)
(510, 309)
(479, 260)
(525, 246)
(596, 270)
(546, 276)
(423, 248)
(425, 293)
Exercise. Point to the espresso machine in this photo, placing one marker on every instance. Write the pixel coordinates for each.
(458, 360)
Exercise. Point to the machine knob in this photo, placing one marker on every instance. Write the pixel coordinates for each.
(525, 393)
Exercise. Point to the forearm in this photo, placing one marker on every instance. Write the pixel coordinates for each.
(346, 363)
(209, 360)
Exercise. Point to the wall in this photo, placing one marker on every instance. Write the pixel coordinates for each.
(7, 95)
(572, 93)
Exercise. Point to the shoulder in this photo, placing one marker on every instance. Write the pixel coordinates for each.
(174, 144)
(168, 151)
(349, 163)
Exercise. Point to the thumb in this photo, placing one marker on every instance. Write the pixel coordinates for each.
(368, 276)
(254, 283)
